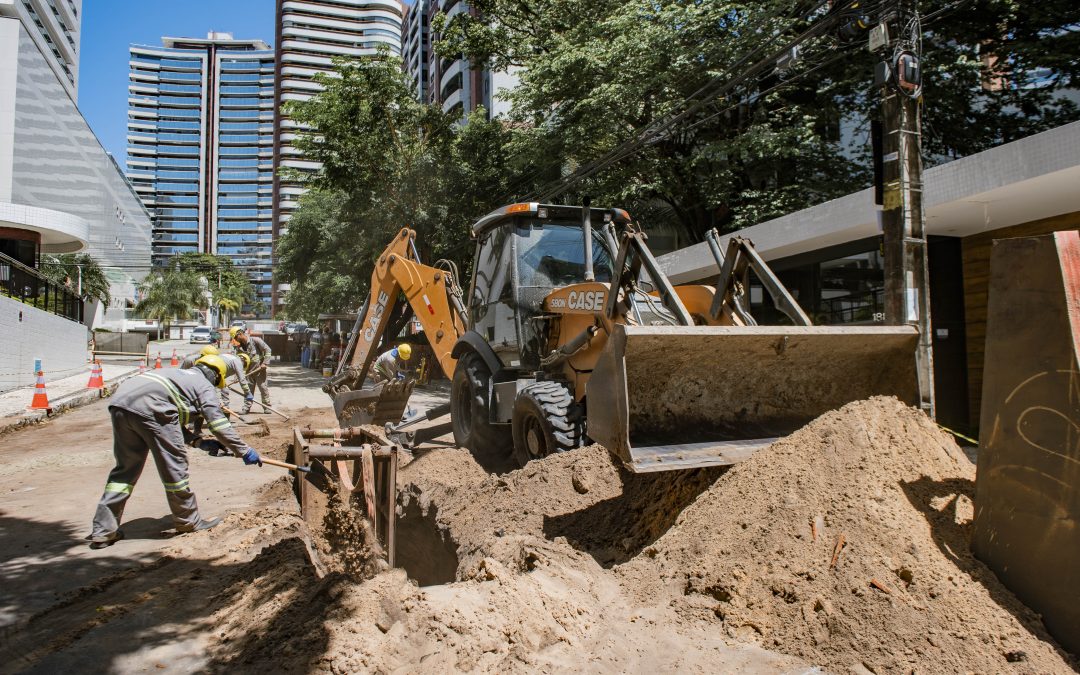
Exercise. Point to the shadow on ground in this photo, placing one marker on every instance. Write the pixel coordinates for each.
(615, 530)
(954, 541)
(137, 613)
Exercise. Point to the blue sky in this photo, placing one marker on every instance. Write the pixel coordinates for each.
(110, 26)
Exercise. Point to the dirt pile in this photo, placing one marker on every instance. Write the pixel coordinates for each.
(575, 564)
(847, 544)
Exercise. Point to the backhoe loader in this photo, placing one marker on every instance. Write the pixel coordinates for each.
(570, 333)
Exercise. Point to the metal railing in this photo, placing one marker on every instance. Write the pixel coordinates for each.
(27, 285)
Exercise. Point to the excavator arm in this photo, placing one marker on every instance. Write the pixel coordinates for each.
(430, 294)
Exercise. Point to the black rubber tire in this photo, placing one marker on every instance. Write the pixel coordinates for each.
(469, 415)
(546, 420)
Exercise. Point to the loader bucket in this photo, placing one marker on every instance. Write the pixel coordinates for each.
(682, 397)
(374, 404)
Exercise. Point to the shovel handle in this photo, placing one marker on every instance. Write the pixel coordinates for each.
(286, 465)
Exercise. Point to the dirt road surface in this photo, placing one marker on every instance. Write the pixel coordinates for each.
(137, 604)
(842, 547)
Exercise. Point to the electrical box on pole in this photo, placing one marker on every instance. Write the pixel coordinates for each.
(907, 279)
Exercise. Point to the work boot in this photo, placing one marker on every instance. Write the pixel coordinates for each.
(203, 524)
(246, 409)
(105, 540)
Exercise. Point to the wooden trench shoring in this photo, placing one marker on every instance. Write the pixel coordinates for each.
(361, 463)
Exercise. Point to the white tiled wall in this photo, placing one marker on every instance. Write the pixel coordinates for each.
(58, 342)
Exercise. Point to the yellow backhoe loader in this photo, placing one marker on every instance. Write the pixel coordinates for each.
(570, 332)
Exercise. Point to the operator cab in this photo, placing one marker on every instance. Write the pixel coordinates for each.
(524, 252)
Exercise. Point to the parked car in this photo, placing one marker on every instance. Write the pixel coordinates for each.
(201, 334)
(239, 323)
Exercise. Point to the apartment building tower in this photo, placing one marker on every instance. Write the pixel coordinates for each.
(54, 26)
(200, 149)
(455, 84)
(310, 35)
(416, 47)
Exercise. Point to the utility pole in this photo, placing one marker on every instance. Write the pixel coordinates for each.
(907, 278)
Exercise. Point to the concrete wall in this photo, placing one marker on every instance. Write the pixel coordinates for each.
(58, 342)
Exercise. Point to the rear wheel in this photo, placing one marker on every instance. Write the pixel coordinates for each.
(469, 409)
(546, 420)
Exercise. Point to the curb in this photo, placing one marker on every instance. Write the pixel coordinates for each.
(62, 405)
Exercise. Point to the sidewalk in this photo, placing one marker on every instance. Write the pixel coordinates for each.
(71, 392)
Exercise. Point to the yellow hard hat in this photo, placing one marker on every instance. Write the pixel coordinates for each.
(218, 364)
(246, 360)
(404, 351)
(234, 330)
(209, 350)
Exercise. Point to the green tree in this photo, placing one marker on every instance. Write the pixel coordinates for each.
(229, 286)
(388, 162)
(171, 294)
(595, 73)
(75, 270)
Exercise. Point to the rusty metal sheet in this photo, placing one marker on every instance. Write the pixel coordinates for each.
(1027, 490)
(714, 394)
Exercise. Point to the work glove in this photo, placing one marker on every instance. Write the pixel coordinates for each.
(249, 397)
(209, 445)
(251, 457)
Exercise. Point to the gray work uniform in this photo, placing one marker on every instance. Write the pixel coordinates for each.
(260, 354)
(149, 412)
(386, 367)
(233, 367)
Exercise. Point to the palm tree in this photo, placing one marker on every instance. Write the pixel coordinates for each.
(171, 294)
(228, 307)
(78, 272)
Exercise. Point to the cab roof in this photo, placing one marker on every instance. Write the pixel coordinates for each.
(547, 211)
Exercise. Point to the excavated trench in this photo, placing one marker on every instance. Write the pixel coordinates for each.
(426, 550)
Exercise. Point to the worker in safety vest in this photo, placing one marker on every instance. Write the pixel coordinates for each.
(390, 363)
(149, 415)
(236, 365)
(260, 355)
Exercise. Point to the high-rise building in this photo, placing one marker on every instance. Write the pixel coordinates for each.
(310, 35)
(200, 149)
(457, 85)
(54, 27)
(416, 47)
(60, 192)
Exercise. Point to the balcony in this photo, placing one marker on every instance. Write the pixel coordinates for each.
(27, 285)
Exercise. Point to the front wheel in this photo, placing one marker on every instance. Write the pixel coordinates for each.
(546, 420)
(469, 409)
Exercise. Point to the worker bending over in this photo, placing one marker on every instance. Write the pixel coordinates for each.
(260, 355)
(390, 363)
(149, 413)
(236, 365)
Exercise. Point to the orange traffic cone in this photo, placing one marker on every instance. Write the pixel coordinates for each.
(174, 362)
(142, 366)
(41, 399)
(157, 362)
(96, 380)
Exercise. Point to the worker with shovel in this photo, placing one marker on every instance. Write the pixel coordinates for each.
(391, 363)
(260, 353)
(149, 415)
(236, 365)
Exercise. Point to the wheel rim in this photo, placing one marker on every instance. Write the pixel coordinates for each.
(534, 438)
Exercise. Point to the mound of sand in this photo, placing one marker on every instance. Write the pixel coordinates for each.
(843, 546)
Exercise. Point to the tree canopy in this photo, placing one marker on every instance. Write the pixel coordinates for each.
(75, 270)
(727, 150)
(388, 162)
